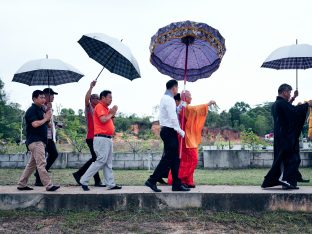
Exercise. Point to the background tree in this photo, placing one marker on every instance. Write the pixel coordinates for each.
(11, 117)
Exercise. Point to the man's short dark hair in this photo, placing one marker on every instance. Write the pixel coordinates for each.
(177, 97)
(283, 88)
(105, 93)
(171, 83)
(36, 93)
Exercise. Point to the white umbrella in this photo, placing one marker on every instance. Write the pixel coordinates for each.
(298, 56)
(47, 72)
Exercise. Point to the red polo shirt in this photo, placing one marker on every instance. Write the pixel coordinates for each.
(106, 128)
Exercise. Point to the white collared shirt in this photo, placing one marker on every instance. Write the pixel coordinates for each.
(167, 113)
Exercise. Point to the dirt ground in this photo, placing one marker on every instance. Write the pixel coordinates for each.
(179, 221)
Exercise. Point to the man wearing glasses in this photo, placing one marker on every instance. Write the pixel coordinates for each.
(91, 100)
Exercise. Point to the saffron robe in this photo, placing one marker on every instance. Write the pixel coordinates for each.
(194, 119)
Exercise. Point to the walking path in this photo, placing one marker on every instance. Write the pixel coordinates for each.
(220, 197)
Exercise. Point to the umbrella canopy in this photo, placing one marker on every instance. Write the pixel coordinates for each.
(187, 51)
(298, 56)
(197, 45)
(47, 72)
(112, 54)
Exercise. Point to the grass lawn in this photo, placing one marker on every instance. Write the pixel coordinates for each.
(138, 177)
(177, 221)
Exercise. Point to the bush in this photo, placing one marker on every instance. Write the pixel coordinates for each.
(251, 140)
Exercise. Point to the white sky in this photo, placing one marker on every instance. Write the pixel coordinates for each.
(252, 30)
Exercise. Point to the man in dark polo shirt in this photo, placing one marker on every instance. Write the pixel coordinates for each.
(36, 139)
(51, 133)
(104, 131)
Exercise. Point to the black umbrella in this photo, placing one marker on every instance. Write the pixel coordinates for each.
(112, 54)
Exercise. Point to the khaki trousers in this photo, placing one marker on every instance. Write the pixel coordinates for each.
(36, 160)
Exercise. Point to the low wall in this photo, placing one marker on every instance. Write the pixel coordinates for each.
(245, 159)
(211, 159)
(76, 160)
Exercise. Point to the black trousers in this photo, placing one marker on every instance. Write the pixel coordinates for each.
(291, 169)
(52, 156)
(85, 167)
(170, 158)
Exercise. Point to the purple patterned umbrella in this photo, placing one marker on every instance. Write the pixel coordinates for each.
(187, 47)
(187, 51)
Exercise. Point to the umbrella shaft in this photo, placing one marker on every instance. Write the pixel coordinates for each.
(99, 74)
(183, 108)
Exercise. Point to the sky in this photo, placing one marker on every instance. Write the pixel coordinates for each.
(252, 30)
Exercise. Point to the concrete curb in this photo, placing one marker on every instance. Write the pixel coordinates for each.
(217, 198)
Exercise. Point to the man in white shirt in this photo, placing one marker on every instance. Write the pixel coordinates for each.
(170, 127)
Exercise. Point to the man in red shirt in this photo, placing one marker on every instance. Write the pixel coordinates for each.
(90, 102)
(104, 131)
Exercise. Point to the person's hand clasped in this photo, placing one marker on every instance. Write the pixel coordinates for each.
(113, 110)
(48, 115)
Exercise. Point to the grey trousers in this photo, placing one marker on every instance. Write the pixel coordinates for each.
(103, 147)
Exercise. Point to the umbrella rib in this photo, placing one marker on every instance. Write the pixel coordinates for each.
(205, 45)
(178, 57)
(204, 54)
(195, 56)
(172, 52)
(168, 45)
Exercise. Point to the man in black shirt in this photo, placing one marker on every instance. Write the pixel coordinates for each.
(51, 133)
(36, 139)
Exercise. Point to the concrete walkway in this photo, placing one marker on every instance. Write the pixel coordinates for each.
(251, 198)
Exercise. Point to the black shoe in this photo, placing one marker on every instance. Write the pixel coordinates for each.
(85, 187)
(53, 188)
(161, 181)
(115, 187)
(26, 188)
(39, 184)
(190, 186)
(181, 188)
(152, 186)
(289, 187)
(303, 180)
(77, 178)
(100, 185)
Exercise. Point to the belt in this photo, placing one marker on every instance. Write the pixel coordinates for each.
(165, 127)
(102, 135)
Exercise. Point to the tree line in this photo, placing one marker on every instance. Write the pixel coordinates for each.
(240, 117)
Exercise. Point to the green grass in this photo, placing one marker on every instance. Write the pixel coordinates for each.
(138, 177)
(178, 221)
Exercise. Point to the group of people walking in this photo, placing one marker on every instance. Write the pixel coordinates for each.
(180, 154)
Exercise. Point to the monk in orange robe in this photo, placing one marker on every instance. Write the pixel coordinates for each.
(194, 120)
